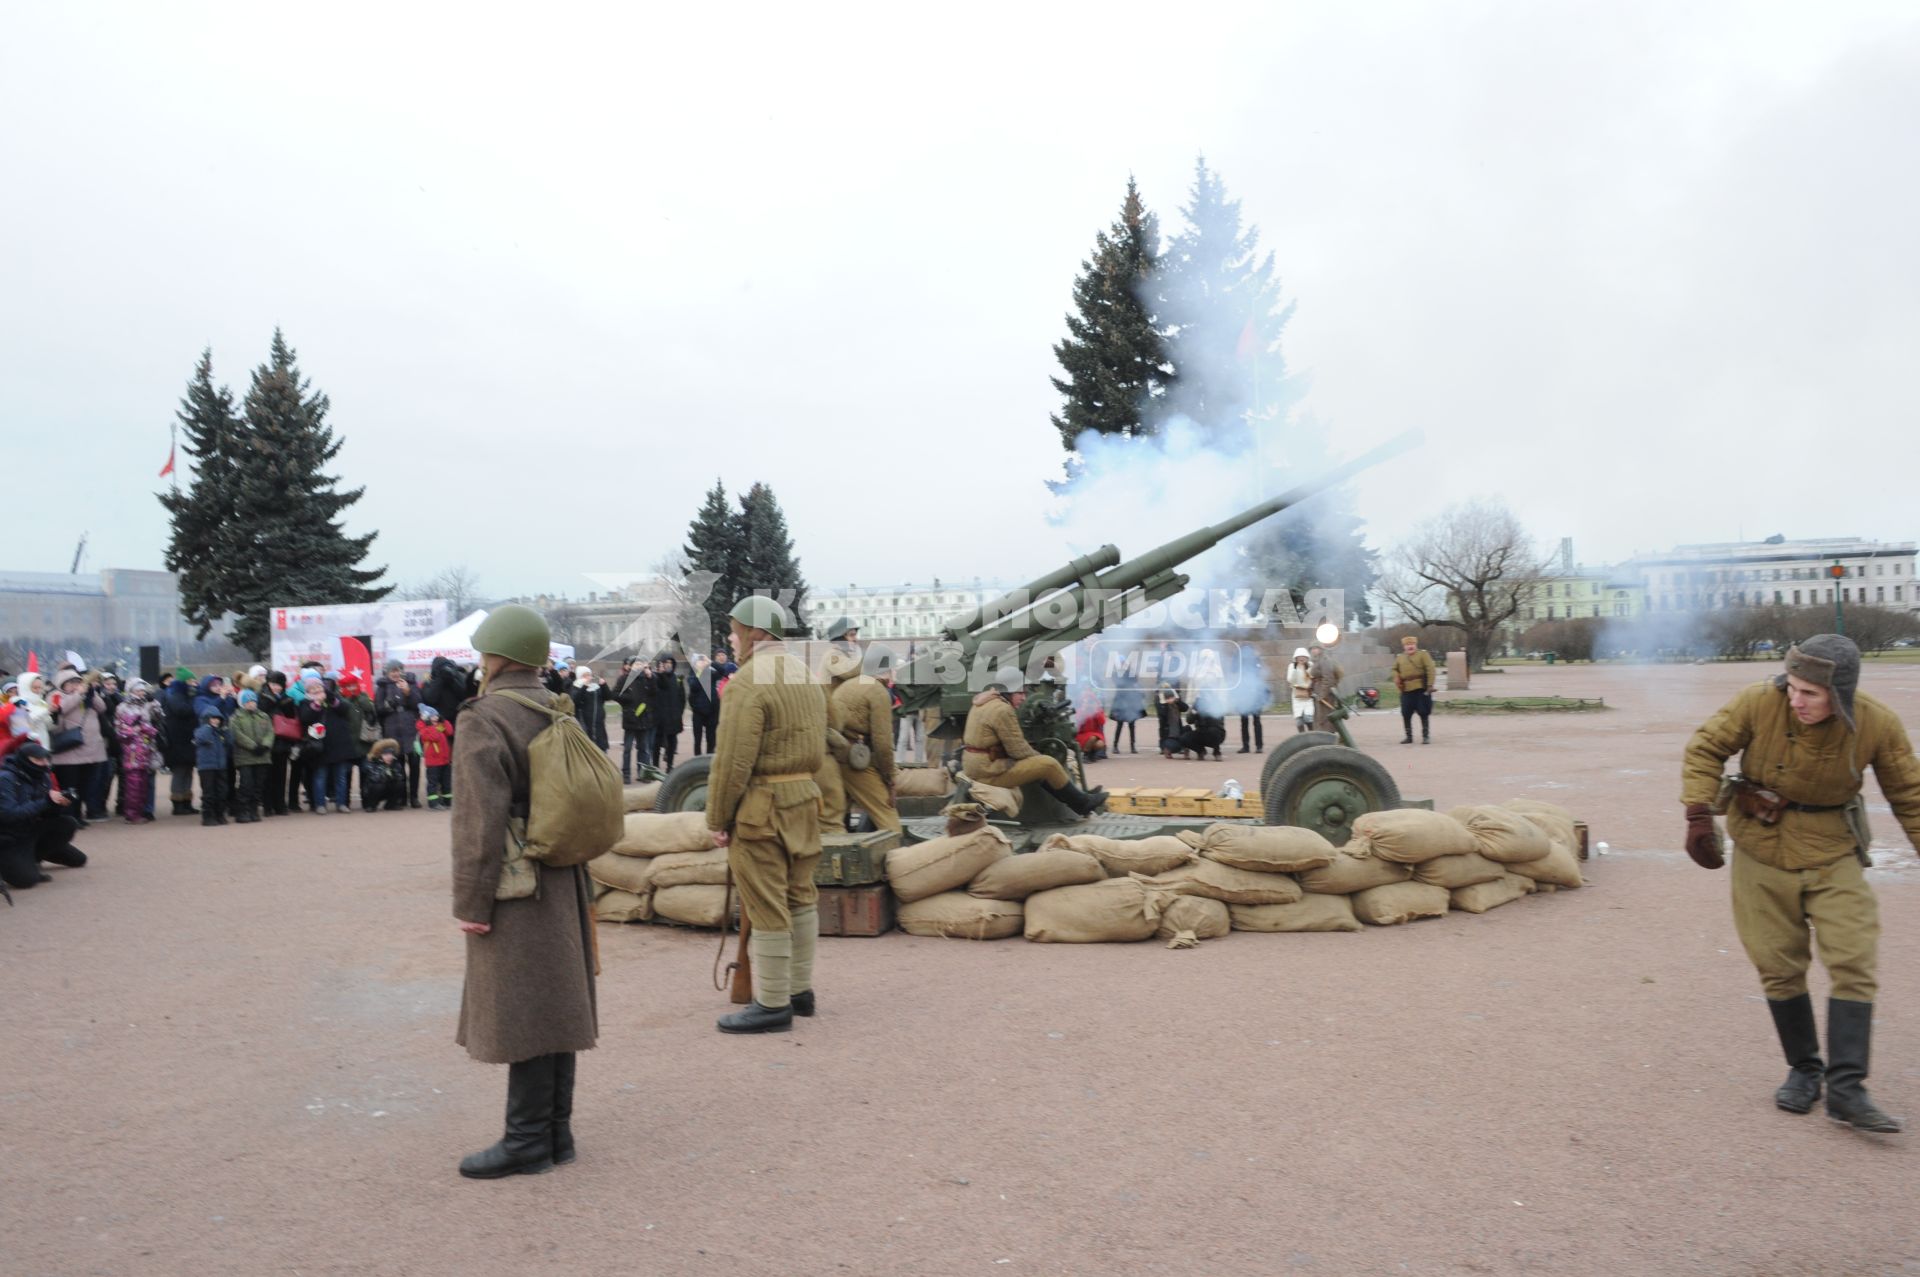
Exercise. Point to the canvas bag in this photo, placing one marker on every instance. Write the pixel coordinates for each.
(575, 804)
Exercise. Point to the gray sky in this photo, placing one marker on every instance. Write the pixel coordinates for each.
(1650, 271)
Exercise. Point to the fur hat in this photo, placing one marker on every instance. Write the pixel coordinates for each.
(1831, 661)
(384, 744)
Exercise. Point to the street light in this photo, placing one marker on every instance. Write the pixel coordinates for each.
(1837, 572)
(1328, 634)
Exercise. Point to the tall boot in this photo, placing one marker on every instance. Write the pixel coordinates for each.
(527, 1146)
(806, 938)
(1849, 1037)
(771, 1010)
(1080, 801)
(563, 1107)
(1800, 1043)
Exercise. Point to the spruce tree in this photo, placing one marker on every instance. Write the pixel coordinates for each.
(1217, 298)
(716, 543)
(288, 543)
(203, 515)
(768, 563)
(1113, 356)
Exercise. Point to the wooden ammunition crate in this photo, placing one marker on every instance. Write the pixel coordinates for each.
(854, 860)
(1245, 807)
(1188, 802)
(1149, 802)
(856, 911)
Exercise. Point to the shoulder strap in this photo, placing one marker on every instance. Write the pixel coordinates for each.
(550, 711)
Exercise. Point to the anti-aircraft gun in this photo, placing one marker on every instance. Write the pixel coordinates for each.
(1317, 779)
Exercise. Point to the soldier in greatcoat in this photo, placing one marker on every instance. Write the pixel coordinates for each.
(529, 997)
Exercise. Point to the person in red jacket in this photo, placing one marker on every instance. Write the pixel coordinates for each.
(436, 750)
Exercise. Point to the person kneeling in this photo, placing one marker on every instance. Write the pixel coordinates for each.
(35, 819)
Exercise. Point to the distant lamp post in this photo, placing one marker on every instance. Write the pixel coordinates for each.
(1837, 572)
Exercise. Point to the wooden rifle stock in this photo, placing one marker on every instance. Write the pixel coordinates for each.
(742, 969)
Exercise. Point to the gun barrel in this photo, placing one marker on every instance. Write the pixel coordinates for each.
(1081, 569)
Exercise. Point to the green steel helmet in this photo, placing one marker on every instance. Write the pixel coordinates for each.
(840, 629)
(1009, 680)
(758, 612)
(516, 632)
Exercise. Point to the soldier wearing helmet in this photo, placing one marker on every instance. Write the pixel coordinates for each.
(763, 806)
(860, 712)
(529, 995)
(997, 751)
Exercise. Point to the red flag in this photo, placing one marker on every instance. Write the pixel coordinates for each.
(168, 468)
(356, 661)
(1247, 348)
(33, 662)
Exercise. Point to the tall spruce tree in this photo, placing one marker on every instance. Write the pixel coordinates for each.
(716, 543)
(203, 515)
(288, 534)
(768, 565)
(1113, 356)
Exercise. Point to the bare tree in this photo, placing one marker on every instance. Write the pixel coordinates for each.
(1471, 567)
(459, 586)
(565, 621)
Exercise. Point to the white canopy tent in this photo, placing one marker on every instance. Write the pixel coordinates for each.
(456, 644)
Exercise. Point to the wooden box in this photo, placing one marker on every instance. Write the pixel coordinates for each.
(854, 860)
(856, 911)
(1188, 802)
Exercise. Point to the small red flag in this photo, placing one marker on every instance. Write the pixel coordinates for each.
(33, 662)
(168, 468)
(1248, 347)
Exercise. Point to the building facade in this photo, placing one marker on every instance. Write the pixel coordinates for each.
(1692, 578)
(895, 611)
(97, 614)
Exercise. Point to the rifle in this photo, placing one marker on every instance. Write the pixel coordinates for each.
(740, 988)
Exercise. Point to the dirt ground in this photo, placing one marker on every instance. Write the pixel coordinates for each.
(230, 1051)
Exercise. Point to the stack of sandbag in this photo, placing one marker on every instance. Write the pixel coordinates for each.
(1114, 910)
(930, 880)
(652, 841)
(641, 797)
(1560, 867)
(1434, 847)
(1507, 839)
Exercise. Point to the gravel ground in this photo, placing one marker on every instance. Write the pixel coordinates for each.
(230, 1051)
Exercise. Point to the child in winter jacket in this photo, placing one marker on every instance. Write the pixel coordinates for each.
(385, 783)
(436, 748)
(252, 754)
(212, 751)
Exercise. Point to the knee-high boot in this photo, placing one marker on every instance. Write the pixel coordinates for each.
(1849, 1037)
(806, 939)
(771, 1010)
(1800, 1043)
(563, 1064)
(527, 1146)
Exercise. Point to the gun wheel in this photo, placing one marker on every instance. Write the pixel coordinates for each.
(1326, 789)
(685, 788)
(1287, 749)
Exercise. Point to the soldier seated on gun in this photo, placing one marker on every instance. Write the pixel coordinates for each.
(997, 752)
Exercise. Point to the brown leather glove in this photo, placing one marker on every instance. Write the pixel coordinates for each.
(1703, 837)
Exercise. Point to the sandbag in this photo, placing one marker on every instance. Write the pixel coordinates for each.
(1122, 856)
(1556, 820)
(690, 868)
(1348, 874)
(1506, 837)
(1261, 848)
(1396, 903)
(922, 782)
(955, 915)
(1004, 801)
(1213, 880)
(623, 873)
(1560, 867)
(650, 833)
(641, 797)
(1483, 896)
(1312, 913)
(1017, 877)
(1409, 836)
(1119, 909)
(623, 906)
(696, 906)
(1197, 916)
(1453, 872)
(943, 864)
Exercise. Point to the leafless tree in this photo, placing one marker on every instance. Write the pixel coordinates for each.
(1471, 567)
(459, 586)
(565, 621)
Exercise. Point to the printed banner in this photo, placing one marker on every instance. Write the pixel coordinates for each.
(313, 632)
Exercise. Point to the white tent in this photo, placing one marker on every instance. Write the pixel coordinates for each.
(456, 644)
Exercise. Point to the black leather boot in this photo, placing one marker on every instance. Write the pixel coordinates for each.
(563, 1107)
(1849, 1037)
(754, 1018)
(1080, 801)
(803, 1003)
(527, 1146)
(1800, 1043)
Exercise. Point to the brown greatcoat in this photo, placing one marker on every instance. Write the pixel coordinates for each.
(529, 988)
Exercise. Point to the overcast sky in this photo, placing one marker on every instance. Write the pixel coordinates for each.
(1649, 271)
